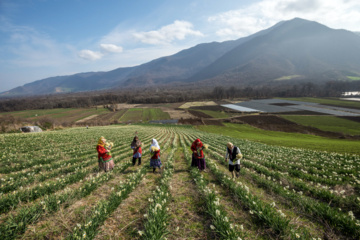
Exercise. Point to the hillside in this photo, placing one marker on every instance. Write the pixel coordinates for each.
(292, 50)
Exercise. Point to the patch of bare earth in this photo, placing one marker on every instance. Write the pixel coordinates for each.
(187, 217)
(120, 106)
(177, 114)
(194, 104)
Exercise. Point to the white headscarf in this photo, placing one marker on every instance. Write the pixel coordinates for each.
(154, 143)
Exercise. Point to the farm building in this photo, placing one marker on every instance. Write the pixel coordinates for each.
(31, 129)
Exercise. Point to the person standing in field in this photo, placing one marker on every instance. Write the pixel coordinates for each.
(137, 152)
(198, 158)
(104, 157)
(233, 155)
(155, 161)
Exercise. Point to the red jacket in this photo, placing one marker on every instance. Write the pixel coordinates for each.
(136, 146)
(156, 155)
(137, 150)
(102, 153)
(198, 148)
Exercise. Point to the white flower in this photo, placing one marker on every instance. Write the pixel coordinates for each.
(212, 227)
(177, 229)
(158, 206)
(351, 215)
(140, 233)
(217, 212)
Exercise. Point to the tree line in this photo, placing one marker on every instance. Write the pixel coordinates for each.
(166, 94)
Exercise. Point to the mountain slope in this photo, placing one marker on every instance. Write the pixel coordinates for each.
(301, 48)
(296, 47)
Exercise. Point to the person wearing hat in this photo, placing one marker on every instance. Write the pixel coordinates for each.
(105, 159)
(233, 155)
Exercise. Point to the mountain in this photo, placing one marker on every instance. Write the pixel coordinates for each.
(294, 48)
(291, 50)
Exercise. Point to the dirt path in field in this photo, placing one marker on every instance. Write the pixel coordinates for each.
(60, 224)
(125, 222)
(236, 214)
(87, 118)
(128, 218)
(187, 218)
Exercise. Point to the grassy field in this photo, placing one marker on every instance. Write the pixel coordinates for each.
(58, 113)
(297, 140)
(327, 123)
(353, 78)
(154, 114)
(55, 190)
(287, 77)
(329, 101)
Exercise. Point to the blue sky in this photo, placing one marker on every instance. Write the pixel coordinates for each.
(46, 38)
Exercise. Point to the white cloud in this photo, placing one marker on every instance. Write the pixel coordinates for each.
(167, 34)
(90, 55)
(111, 48)
(257, 16)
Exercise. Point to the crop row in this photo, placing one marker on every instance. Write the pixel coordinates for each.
(344, 223)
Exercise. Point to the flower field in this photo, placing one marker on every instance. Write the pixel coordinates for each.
(51, 188)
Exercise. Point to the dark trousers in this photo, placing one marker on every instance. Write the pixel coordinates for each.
(134, 161)
(198, 162)
(194, 161)
(201, 164)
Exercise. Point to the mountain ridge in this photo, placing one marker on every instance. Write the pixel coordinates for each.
(294, 47)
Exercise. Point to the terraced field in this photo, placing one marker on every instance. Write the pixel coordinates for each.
(51, 189)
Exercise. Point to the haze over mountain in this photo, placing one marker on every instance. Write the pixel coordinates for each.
(289, 51)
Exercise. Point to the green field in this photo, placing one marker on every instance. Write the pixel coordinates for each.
(354, 78)
(52, 188)
(154, 114)
(287, 77)
(296, 140)
(69, 114)
(327, 123)
(329, 101)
